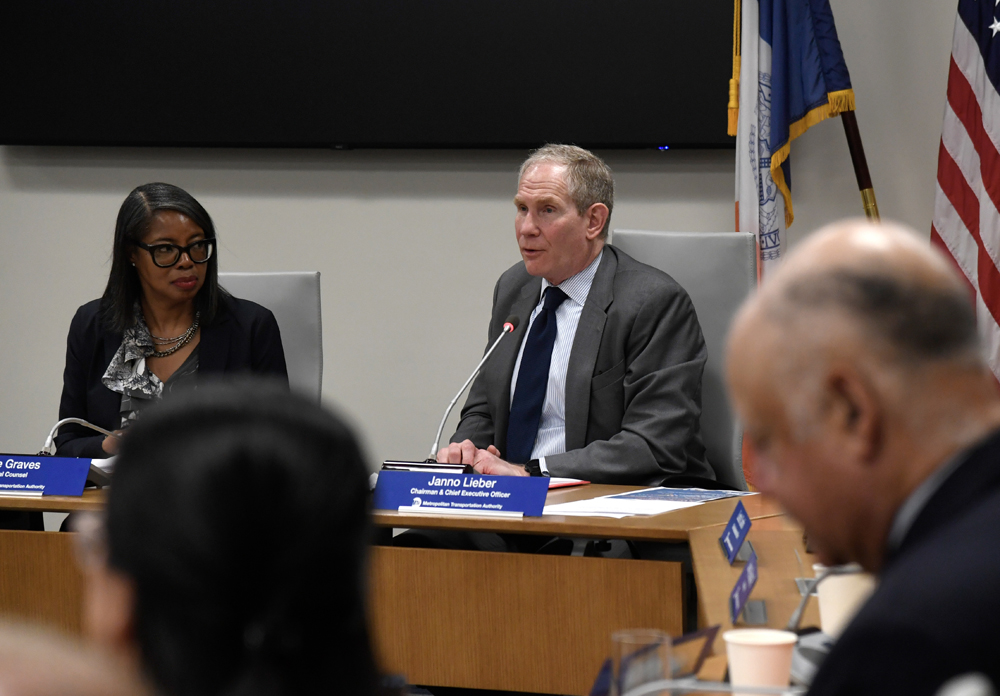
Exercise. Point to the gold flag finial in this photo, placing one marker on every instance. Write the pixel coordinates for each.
(734, 82)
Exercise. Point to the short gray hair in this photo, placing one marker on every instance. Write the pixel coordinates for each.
(916, 321)
(588, 178)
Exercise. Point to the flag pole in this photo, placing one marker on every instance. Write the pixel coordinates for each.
(860, 165)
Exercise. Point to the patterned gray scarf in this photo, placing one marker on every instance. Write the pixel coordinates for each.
(129, 376)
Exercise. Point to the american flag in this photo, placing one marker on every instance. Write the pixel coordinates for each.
(967, 200)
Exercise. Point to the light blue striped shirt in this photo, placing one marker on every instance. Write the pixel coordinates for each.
(551, 438)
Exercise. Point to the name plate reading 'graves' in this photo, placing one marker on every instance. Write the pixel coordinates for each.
(470, 494)
(31, 475)
(735, 534)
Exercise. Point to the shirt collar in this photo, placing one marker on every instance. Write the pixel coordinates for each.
(578, 287)
(918, 499)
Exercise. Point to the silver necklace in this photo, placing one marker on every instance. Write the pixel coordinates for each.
(179, 341)
(160, 341)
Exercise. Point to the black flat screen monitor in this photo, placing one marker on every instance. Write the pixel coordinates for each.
(366, 73)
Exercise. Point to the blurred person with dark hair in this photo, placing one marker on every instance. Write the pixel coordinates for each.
(873, 418)
(233, 557)
(162, 321)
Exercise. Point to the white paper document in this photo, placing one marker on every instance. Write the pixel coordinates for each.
(585, 513)
(105, 465)
(649, 501)
(610, 507)
(563, 482)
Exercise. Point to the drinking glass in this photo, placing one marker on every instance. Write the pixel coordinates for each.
(640, 656)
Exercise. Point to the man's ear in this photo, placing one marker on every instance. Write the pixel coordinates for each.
(597, 217)
(855, 412)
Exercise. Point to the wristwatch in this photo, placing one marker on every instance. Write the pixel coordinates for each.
(535, 469)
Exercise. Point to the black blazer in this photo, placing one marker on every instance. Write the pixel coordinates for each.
(244, 338)
(934, 614)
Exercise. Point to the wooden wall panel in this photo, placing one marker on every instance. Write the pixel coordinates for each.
(39, 579)
(512, 621)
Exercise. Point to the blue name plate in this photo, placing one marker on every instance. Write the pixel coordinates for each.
(40, 475)
(744, 586)
(736, 532)
(471, 493)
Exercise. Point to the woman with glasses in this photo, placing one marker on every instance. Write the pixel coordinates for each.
(163, 321)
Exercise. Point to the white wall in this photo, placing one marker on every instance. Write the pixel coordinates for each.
(898, 52)
(410, 242)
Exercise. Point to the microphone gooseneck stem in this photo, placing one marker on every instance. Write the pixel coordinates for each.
(796, 618)
(49, 447)
(507, 328)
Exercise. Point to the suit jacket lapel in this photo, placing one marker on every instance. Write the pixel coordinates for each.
(586, 345)
(506, 355)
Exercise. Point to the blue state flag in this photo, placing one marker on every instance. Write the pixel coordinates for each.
(788, 75)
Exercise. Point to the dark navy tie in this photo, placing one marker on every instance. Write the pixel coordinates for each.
(532, 380)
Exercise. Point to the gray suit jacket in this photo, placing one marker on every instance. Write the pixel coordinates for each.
(633, 387)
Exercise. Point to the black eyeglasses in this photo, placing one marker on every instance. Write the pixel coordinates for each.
(166, 255)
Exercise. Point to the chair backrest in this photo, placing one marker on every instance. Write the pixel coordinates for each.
(718, 270)
(294, 298)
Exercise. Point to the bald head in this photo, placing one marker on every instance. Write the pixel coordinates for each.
(898, 296)
(857, 371)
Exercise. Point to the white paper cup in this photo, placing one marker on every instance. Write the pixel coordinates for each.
(759, 656)
(840, 598)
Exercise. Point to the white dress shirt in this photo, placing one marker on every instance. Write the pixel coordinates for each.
(551, 438)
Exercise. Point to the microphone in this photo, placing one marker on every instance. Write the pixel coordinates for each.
(49, 447)
(99, 475)
(812, 649)
(509, 325)
(796, 618)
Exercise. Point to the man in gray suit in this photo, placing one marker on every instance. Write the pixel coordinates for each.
(601, 380)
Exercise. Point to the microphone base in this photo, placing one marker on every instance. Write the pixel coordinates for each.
(428, 465)
(808, 656)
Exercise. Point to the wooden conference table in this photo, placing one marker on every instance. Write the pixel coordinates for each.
(453, 618)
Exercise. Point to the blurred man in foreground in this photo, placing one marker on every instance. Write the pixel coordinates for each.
(874, 421)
